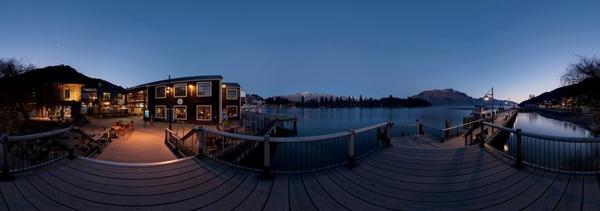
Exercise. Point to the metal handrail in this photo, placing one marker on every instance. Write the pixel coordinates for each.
(37, 135)
(18, 162)
(465, 124)
(552, 153)
(231, 148)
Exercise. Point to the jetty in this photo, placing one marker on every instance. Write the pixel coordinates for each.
(371, 170)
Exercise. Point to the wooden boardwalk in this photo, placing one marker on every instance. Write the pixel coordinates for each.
(395, 178)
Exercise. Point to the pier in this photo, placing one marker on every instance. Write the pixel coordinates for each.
(374, 171)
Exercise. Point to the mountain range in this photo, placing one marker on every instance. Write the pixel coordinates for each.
(437, 97)
(451, 97)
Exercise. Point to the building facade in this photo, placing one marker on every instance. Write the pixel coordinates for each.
(196, 99)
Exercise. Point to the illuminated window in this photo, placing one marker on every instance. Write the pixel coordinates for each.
(160, 92)
(232, 111)
(105, 96)
(204, 89)
(161, 112)
(180, 112)
(204, 112)
(67, 94)
(180, 90)
(232, 94)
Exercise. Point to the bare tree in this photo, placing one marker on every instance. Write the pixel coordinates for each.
(586, 67)
(12, 67)
(15, 95)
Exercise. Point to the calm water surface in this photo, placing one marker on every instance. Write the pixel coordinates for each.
(318, 121)
(535, 123)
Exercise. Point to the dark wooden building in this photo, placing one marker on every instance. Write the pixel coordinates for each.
(196, 99)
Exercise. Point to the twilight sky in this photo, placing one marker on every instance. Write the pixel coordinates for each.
(370, 48)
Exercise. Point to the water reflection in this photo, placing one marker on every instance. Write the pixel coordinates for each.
(535, 123)
(315, 121)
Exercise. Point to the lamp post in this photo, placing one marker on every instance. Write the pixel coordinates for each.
(169, 109)
(490, 96)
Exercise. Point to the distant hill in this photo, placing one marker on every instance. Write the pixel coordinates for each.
(586, 90)
(451, 97)
(297, 97)
(64, 74)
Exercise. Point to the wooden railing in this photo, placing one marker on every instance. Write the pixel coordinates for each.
(21, 153)
(282, 154)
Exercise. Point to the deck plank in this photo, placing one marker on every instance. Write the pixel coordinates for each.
(591, 193)
(279, 198)
(572, 197)
(236, 197)
(319, 196)
(36, 198)
(258, 197)
(13, 199)
(552, 196)
(299, 199)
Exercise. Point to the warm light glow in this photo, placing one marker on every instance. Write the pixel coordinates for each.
(486, 98)
(506, 148)
(224, 86)
(191, 86)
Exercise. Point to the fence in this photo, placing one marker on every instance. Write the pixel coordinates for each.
(560, 154)
(20, 153)
(260, 124)
(285, 154)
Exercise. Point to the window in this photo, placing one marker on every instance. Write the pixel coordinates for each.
(161, 112)
(180, 90)
(204, 89)
(204, 113)
(232, 111)
(180, 112)
(160, 92)
(232, 94)
(67, 94)
(105, 96)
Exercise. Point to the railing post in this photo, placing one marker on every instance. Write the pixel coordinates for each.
(388, 135)
(5, 168)
(201, 142)
(418, 128)
(519, 153)
(481, 136)
(267, 157)
(71, 144)
(351, 137)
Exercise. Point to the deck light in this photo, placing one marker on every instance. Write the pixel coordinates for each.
(224, 85)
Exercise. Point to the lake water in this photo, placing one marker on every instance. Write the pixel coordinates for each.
(535, 123)
(318, 121)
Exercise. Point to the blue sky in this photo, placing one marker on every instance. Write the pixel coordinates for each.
(369, 48)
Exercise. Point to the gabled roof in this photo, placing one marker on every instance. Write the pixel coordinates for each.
(231, 84)
(179, 80)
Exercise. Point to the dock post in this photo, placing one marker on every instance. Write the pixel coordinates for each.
(71, 145)
(201, 142)
(5, 168)
(519, 153)
(351, 137)
(267, 157)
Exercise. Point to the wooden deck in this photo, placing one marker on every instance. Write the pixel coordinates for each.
(395, 178)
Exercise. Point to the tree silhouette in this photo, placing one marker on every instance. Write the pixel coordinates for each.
(586, 67)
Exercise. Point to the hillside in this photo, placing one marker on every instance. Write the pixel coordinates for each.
(586, 91)
(451, 97)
